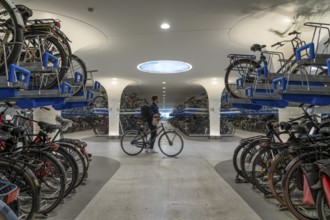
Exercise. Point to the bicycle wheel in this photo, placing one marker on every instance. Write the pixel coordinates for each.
(76, 65)
(247, 158)
(46, 43)
(102, 127)
(260, 170)
(236, 159)
(52, 179)
(132, 142)
(100, 102)
(242, 68)
(29, 197)
(293, 189)
(170, 143)
(70, 166)
(79, 158)
(11, 33)
(277, 172)
(322, 208)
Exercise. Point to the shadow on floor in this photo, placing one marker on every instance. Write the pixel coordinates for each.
(266, 208)
(100, 172)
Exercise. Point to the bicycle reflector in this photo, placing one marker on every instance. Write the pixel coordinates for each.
(263, 143)
(12, 196)
(58, 24)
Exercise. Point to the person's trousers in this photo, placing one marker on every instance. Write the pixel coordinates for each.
(153, 130)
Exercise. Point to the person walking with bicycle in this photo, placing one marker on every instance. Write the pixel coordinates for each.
(152, 121)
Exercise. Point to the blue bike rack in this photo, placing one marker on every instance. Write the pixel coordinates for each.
(78, 78)
(246, 106)
(38, 102)
(270, 103)
(16, 74)
(97, 86)
(309, 47)
(50, 57)
(262, 71)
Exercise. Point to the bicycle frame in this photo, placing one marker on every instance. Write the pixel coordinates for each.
(145, 134)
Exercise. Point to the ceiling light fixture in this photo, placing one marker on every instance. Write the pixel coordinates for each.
(164, 82)
(164, 91)
(164, 66)
(164, 87)
(165, 26)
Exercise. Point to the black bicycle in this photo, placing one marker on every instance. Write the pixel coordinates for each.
(134, 141)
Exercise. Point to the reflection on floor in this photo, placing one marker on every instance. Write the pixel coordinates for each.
(152, 186)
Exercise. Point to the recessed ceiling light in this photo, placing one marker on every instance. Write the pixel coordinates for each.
(164, 82)
(164, 87)
(164, 66)
(164, 91)
(165, 26)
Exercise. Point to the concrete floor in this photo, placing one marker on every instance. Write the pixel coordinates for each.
(152, 186)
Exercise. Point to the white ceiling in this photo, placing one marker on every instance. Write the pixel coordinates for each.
(120, 34)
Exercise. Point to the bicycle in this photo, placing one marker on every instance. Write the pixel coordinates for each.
(244, 66)
(170, 142)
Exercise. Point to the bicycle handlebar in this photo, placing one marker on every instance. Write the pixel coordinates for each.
(294, 32)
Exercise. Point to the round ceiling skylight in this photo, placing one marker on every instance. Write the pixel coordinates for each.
(164, 67)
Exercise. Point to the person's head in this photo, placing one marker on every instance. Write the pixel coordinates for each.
(154, 99)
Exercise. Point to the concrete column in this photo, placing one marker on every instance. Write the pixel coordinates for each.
(289, 112)
(214, 88)
(114, 88)
(45, 116)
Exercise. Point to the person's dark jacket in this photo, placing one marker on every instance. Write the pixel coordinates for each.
(152, 111)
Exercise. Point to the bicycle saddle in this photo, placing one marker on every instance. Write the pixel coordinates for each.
(49, 128)
(25, 12)
(285, 125)
(325, 131)
(257, 47)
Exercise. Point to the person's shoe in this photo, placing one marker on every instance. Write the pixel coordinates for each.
(147, 150)
(153, 151)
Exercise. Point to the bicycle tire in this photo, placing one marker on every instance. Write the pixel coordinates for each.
(99, 101)
(287, 186)
(52, 163)
(321, 205)
(228, 72)
(236, 164)
(77, 90)
(79, 158)
(137, 136)
(247, 159)
(281, 161)
(263, 159)
(163, 150)
(18, 29)
(28, 184)
(71, 169)
(63, 67)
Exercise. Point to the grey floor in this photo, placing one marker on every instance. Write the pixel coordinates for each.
(152, 187)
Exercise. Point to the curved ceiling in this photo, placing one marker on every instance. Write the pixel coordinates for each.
(125, 33)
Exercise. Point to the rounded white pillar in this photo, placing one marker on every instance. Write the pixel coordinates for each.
(48, 116)
(114, 88)
(214, 88)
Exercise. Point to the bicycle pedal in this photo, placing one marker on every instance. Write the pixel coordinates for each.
(238, 180)
(281, 207)
(268, 196)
